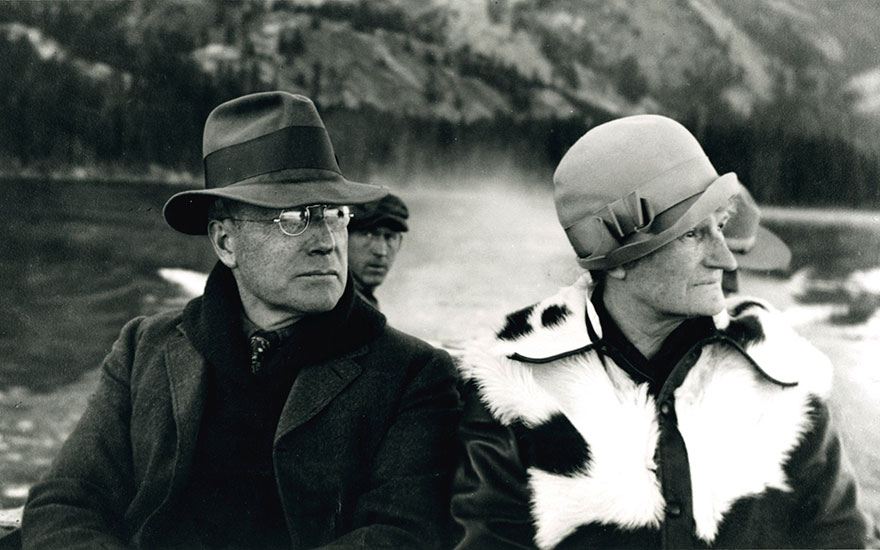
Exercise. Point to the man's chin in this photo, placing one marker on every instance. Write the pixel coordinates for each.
(319, 296)
(320, 305)
(372, 280)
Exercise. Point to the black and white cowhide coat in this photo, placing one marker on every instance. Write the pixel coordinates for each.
(561, 444)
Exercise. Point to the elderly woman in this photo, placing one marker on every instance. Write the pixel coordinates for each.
(637, 408)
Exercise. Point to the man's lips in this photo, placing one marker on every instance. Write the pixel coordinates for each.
(320, 273)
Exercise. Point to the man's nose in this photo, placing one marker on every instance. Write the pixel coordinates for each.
(321, 238)
(379, 246)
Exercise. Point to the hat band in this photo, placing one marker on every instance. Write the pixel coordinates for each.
(300, 147)
(717, 195)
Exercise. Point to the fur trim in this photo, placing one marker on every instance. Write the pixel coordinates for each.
(778, 351)
(553, 327)
(620, 486)
(739, 432)
(738, 425)
(508, 390)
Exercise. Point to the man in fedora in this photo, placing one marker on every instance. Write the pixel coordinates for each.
(638, 408)
(276, 410)
(375, 234)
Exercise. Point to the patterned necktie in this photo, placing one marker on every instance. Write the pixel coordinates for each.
(261, 344)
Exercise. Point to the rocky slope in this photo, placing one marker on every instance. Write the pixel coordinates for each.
(802, 68)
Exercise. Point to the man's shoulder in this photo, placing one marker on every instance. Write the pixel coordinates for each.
(164, 319)
(394, 340)
(404, 353)
(151, 328)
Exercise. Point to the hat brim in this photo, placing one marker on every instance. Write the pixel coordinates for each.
(187, 211)
(769, 253)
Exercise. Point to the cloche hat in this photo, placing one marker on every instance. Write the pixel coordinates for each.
(631, 185)
(267, 149)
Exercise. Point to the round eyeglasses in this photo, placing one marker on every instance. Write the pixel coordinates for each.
(295, 221)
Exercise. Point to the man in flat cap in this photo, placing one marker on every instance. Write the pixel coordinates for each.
(375, 233)
(275, 410)
(638, 408)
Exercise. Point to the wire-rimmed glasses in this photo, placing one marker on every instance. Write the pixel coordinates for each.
(295, 221)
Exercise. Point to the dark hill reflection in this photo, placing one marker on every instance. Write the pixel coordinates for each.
(79, 259)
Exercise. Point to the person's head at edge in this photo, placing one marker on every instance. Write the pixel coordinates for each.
(275, 205)
(375, 233)
(644, 210)
(754, 246)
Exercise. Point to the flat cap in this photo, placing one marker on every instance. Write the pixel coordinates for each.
(389, 211)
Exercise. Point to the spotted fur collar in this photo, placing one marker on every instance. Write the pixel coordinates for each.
(567, 323)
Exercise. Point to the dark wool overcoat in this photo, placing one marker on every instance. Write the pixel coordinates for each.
(363, 452)
(566, 450)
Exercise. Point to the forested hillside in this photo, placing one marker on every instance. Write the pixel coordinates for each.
(448, 90)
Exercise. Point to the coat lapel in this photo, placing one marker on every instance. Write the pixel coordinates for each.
(315, 386)
(187, 380)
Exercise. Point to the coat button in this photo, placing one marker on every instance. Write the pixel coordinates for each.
(673, 509)
(665, 408)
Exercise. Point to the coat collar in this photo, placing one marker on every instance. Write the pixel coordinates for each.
(567, 324)
(561, 325)
(213, 323)
(210, 333)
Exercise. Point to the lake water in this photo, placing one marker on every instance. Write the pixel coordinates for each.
(79, 259)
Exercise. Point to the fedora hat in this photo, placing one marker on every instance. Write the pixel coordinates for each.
(268, 149)
(631, 185)
(753, 245)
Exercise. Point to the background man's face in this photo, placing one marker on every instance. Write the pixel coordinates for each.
(296, 275)
(683, 278)
(371, 253)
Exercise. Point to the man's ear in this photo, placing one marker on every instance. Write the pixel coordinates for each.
(222, 237)
(618, 273)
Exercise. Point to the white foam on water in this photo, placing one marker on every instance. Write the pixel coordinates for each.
(192, 283)
(11, 516)
(16, 491)
(864, 282)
